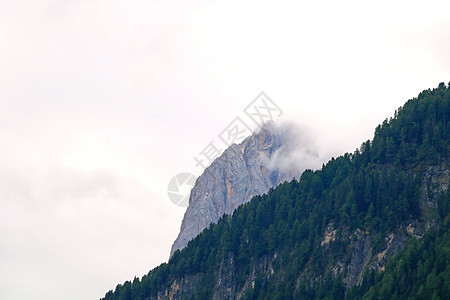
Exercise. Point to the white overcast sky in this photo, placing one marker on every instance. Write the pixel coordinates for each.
(103, 101)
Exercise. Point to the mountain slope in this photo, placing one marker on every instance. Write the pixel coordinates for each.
(334, 229)
(240, 173)
(421, 271)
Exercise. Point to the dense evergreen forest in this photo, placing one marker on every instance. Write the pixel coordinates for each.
(376, 190)
(421, 271)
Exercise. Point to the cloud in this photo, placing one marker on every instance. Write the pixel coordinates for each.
(297, 153)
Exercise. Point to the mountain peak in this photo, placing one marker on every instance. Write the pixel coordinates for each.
(241, 172)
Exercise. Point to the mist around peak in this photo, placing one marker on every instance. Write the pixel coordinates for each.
(297, 153)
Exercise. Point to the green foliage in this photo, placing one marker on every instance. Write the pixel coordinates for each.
(376, 189)
(421, 271)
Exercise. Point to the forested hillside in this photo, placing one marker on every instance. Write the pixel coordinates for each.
(371, 224)
(421, 271)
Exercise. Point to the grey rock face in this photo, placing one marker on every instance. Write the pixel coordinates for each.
(240, 173)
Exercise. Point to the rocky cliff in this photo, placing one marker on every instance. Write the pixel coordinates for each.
(241, 172)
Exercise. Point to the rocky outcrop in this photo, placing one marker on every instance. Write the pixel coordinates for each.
(241, 172)
(435, 181)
